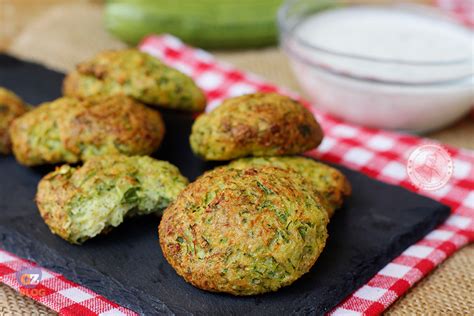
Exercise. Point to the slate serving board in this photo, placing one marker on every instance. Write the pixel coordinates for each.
(376, 224)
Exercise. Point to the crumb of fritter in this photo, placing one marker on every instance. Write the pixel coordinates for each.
(80, 203)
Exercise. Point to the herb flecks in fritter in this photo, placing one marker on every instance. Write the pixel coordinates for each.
(71, 130)
(11, 107)
(135, 74)
(80, 203)
(261, 124)
(329, 182)
(244, 232)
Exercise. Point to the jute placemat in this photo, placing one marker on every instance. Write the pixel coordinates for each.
(13, 304)
(68, 34)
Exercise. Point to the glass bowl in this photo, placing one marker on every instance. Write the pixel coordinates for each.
(415, 95)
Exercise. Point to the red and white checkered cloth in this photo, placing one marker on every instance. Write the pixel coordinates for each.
(56, 292)
(379, 154)
(462, 10)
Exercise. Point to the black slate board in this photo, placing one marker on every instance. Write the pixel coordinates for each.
(377, 223)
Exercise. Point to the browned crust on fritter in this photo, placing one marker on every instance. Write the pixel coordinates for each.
(260, 124)
(11, 107)
(215, 207)
(131, 123)
(71, 130)
(63, 191)
(135, 74)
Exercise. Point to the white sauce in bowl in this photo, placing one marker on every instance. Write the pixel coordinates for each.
(383, 66)
(389, 35)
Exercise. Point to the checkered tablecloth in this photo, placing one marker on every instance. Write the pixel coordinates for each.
(379, 154)
(462, 10)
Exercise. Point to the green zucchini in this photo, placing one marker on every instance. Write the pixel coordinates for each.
(204, 23)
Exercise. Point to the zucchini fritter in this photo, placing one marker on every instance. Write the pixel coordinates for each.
(80, 203)
(328, 181)
(70, 130)
(137, 75)
(245, 231)
(261, 124)
(11, 107)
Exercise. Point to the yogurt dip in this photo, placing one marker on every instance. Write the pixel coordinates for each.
(384, 66)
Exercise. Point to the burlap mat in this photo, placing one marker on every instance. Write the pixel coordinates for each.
(13, 304)
(67, 34)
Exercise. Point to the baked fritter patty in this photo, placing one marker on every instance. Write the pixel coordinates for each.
(70, 130)
(135, 74)
(245, 231)
(11, 107)
(80, 203)
(261, 124)
(328, 181)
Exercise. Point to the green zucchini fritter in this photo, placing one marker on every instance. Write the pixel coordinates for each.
(261, 124)
(71, 130)
(328, 181)
(80, 203)
(11, 107)
(135, 74)
(245, 231)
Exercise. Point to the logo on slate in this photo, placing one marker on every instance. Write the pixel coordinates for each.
(430, 167)
(29, 277)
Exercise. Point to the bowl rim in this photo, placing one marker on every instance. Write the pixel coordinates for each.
(419, 9)
(467, 79)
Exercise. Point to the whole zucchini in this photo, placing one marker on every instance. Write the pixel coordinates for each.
(204, 23)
